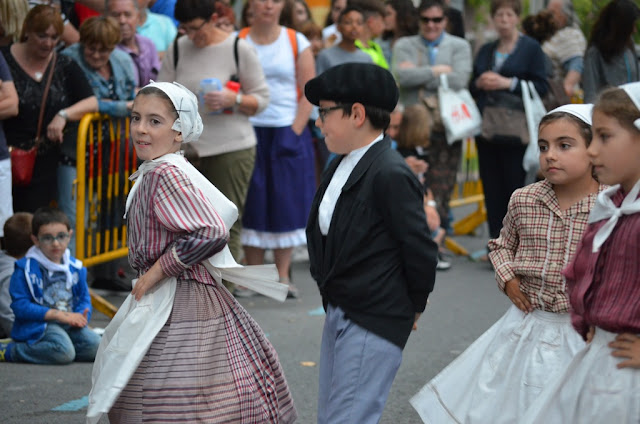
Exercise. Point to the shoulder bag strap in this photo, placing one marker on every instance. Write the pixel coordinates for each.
(44, 96)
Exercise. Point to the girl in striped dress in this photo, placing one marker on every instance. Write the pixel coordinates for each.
(199, 357)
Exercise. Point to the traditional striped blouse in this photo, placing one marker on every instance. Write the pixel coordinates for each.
(604, 287)
(171, 220)
(537, 241)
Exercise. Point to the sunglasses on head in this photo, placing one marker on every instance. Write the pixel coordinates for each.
(436, 20)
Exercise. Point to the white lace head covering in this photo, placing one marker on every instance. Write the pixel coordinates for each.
(582, 112)
(189, 122)
(633, 91)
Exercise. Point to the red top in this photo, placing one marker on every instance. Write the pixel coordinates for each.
(604, 287)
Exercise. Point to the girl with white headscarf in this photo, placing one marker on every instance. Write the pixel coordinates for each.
(181, 348)
(602, 382)
(511, 362)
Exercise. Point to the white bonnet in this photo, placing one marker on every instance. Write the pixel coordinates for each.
(633, 91)
(189, 122)
(580, 111)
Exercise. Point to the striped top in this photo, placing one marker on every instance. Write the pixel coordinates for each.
(604, 287)
(171, 220)
(536, 242)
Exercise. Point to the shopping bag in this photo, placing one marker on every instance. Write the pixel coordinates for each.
(460, 115)
(534, 111)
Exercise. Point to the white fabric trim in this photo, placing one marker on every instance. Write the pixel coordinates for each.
(265, 240)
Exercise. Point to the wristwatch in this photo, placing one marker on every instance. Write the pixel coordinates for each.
(238, 99)
(63, 114)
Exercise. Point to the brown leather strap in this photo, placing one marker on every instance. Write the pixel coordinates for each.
(52, 67)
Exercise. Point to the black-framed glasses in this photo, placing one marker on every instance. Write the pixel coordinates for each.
(49, 238)
(183, 29)
(324, 111)
(436, 20)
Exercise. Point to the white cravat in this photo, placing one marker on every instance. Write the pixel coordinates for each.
(37, 254)
(606, 209)
(339, 179)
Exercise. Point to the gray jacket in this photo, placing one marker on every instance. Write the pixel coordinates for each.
(599, 74)
(453, 51)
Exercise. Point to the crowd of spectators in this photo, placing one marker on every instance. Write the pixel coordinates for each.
(260, 146)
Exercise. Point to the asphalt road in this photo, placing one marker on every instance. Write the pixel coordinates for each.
(464, 304)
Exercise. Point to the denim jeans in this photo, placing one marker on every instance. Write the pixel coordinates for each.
(60, 344)
(66, 199)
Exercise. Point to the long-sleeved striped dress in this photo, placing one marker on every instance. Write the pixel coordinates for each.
(210, 362)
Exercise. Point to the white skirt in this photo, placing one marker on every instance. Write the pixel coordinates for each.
(591, 390)
(502, 373)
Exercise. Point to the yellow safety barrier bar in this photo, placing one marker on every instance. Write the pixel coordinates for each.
(468, 191)
(105, 160)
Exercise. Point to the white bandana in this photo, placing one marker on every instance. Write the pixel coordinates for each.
(633, 91)
(34, 252)
(189, 122)
(582, 112)
(606, 209)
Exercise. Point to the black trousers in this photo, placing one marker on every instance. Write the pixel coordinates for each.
(502, 173)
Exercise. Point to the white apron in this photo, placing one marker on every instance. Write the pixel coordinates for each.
(591, 390)
(502, 372)
(136, 324)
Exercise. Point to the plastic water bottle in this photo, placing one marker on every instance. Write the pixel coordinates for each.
(207, 85)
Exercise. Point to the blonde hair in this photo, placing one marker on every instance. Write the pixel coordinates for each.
(12, 15)
(100, 31)
(415, 127)
(615, 102)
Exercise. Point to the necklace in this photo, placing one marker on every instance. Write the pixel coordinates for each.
(38, 76)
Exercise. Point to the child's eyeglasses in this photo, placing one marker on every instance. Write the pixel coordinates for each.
(324, 111)
(436, 20)
(49, 239)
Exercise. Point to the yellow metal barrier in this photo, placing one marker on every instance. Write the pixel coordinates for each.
(468, 191)
(105, 160)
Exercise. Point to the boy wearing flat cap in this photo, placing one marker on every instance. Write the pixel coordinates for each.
(369, 244)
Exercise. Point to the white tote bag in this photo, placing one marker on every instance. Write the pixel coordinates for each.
(460, 115)
(534, 111)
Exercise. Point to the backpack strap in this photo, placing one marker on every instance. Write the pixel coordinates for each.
(244, 32)
(236, 77)
(293, 40)
(176, 52)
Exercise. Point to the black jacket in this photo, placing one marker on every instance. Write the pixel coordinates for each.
(377, 263)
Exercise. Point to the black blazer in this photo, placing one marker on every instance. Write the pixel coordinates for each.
(377, 263)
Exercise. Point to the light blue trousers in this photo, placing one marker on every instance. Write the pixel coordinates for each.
(357, 368)
(60, 344)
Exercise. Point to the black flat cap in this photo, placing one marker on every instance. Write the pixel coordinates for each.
(363, 83)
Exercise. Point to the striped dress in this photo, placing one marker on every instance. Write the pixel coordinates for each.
(211, 361)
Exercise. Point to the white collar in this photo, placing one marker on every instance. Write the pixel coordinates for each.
(606, 209)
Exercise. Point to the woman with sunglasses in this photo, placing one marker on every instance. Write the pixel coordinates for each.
(70, 97)
(498, 69)
(226, 151)
(417, 63)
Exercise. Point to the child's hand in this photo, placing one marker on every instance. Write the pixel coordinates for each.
(512, 289)
(415, 321)
(627, 345)
(148, 280)
(75, 319)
